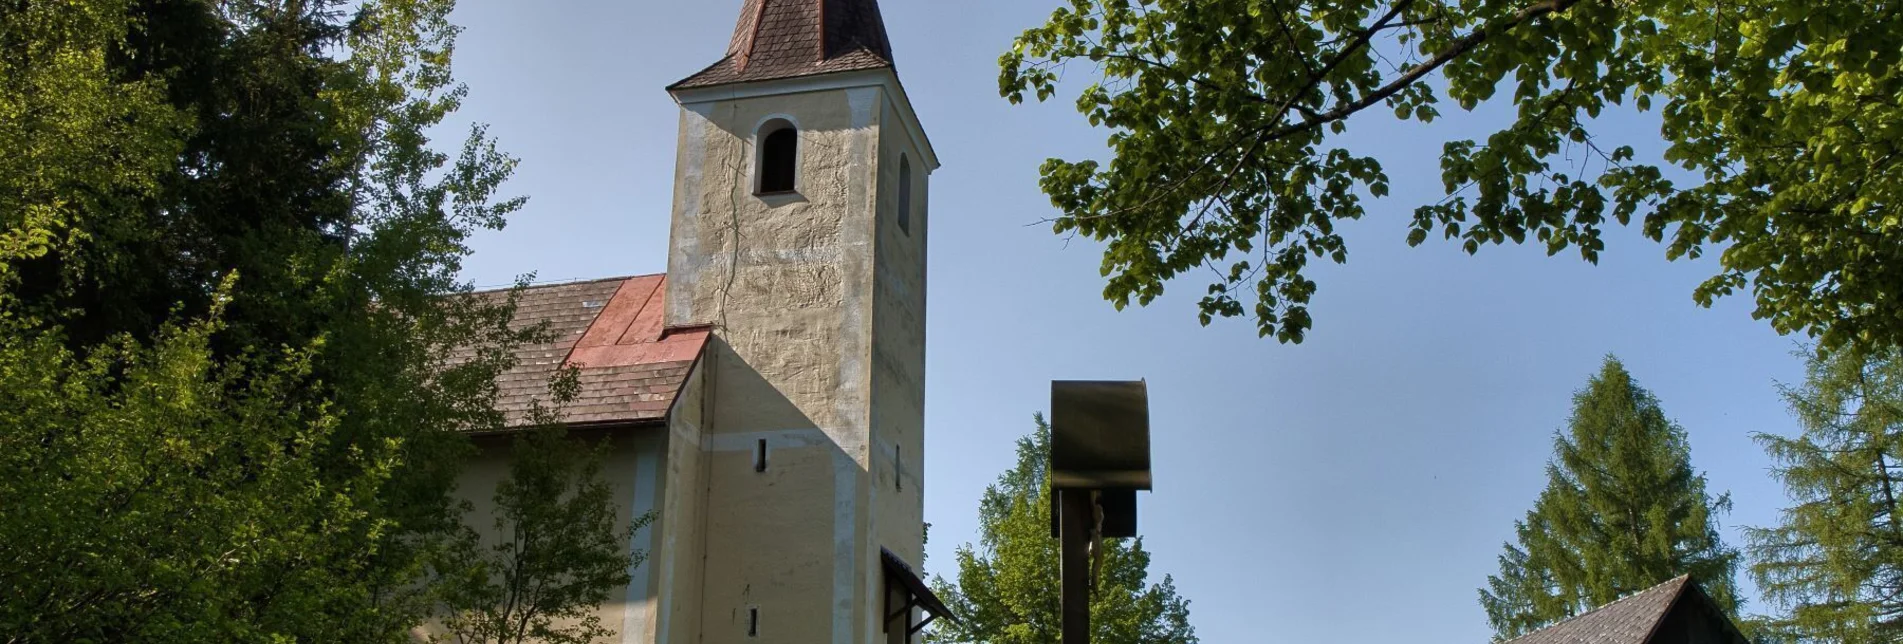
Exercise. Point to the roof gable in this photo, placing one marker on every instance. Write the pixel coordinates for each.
(1629, 620)
(1636, 618)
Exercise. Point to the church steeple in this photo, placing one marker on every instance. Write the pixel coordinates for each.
(778, 39)
(801, 214)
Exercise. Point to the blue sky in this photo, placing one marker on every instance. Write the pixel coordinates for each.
(1355, 488)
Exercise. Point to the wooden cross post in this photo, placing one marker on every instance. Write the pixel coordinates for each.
(1100, 457)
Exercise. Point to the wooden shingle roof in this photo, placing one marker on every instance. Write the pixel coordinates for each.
(777, 39)
(630, 367)
(1629, 620)
(1650, 616)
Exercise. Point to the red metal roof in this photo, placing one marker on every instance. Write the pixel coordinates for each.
(631, 367)
(777, 39)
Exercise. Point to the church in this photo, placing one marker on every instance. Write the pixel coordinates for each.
(765, 396)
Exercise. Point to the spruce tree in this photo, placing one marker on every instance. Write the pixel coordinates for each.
(1007, 586)
(1834, 565)
(1622, 511)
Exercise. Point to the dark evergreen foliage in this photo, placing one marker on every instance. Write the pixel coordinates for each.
(1622, 511)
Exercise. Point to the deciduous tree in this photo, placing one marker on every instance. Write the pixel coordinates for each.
(1007, 586)
(1779, 118)
(556, 547)
(232, 377)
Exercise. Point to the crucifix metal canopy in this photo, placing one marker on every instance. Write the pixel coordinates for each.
(1100, 441)
(1100, 434)
(1100, 458)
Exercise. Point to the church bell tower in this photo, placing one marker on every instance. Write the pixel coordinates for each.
(800, 222)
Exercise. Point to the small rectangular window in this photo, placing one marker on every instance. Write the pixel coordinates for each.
(753, 622)
(759, 456)
(905, 195)
(898, 467)
(779, 158)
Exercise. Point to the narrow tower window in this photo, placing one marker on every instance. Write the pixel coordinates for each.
(779, 156)
(905, 195)
(759, 456)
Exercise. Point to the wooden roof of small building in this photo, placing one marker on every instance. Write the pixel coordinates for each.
(1640, 618)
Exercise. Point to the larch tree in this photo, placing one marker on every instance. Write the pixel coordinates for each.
(1622, 511)
(1834, 564)
(1228, 149)
(1006, 590)
(231, 369)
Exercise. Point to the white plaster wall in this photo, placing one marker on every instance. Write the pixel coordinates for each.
(680, 529)
(898, 350)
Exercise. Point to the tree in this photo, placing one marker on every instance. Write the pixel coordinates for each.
(1835, 562)
(232, 375)
(1227, 118)
(1006, 592)
(555, 553)
(1622, 511)
(156, 495)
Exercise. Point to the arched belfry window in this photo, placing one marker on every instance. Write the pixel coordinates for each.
(905, 195)
(779, 156)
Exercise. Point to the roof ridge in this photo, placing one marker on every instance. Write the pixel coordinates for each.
(747, 34)
(1684, 581)
(565, 282)
(1681, 580)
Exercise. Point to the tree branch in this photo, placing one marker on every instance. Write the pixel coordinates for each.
(1457, 49)
(1360, 41)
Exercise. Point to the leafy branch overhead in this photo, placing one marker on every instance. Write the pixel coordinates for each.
(1780, 118)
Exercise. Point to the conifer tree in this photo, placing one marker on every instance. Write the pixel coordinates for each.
(1834, 565)
(1622, 511)
(1007, 586)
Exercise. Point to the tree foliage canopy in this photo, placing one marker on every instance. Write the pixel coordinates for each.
(1227, 116)
(231, 374)
(1834, 565)
(1007, 586)
(1622, 511)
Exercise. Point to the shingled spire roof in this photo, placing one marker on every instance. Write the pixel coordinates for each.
(777, 39)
